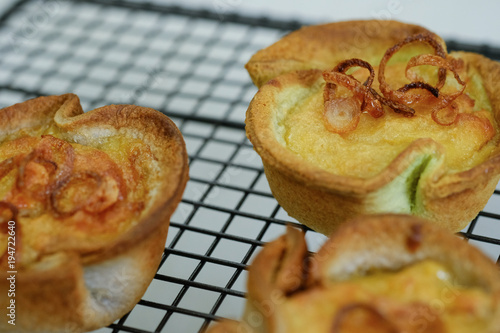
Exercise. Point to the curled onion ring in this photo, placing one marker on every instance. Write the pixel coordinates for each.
(342, 314)
(398, 95)
(371, 102)
(86, 191)
(49, 165)
(347, 64)
(342, 114)
(395, 106)
(60, 152)
(371, 95)
(69, 205)
(105, 196)
(420, 85)
(440, 113)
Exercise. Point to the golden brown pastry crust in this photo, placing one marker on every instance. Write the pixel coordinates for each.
(450, 200)
(364, 244)
(323, 46)
(77, 291)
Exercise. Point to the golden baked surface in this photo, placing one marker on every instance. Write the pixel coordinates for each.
(398, 125)
(375, 142)
(323, 46)
(85, 206)
(68, 196)
(383, 300)
(377, 273)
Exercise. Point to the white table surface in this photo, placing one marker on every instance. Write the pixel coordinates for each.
(468, 21)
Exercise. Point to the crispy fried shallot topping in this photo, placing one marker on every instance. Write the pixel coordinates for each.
(38, 173)
(360, 317)
(75, 185)
(382, 315)
(399, 95)
(46, 177)
(443, 99)
(342, 114)
(86, 191)
(35, 173)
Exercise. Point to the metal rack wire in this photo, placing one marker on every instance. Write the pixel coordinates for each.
(189, 65)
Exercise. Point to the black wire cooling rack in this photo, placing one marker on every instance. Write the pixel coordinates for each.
(189, 65)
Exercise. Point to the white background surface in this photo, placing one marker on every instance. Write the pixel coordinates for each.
(469, 21)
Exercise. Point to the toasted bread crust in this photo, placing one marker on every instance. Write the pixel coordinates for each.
(365, 244)
(449, 199)
(323, 46)
(77, 292)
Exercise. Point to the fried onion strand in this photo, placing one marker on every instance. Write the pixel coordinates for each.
(400, 96)
(57, 194)
(101, 193)
(342, 114)
(343, 313)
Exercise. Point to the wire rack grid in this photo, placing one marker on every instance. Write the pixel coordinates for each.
(189, 65)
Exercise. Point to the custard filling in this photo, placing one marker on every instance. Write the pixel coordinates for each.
(368, 148)
(423, 297)
(63, 195)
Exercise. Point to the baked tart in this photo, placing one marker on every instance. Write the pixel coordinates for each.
(406, 127)
(379, 273)
(85, 203)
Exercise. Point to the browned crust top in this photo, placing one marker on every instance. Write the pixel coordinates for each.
(323, 46)
(392, 241)
(387, 242)
(154, 128)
